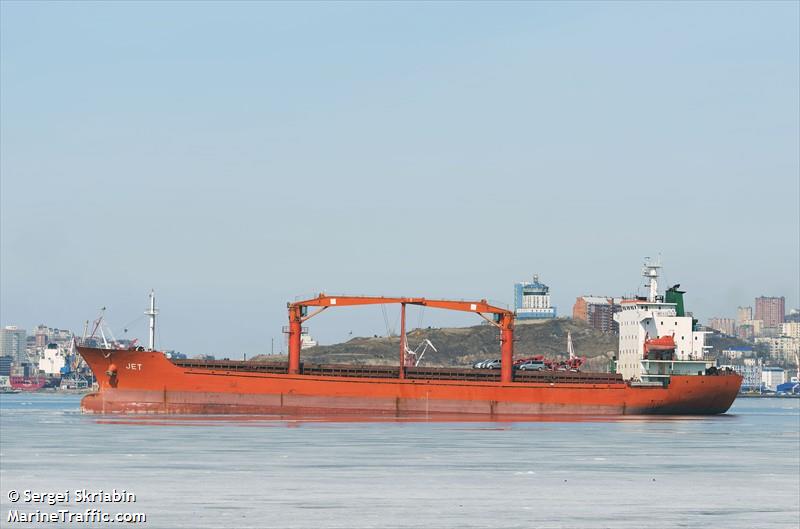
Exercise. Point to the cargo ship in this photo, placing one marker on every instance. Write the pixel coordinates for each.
(660, 370)
(27, 383)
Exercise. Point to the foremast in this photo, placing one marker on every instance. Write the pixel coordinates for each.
(151, 312)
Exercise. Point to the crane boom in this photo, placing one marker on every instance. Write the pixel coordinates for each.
(323, 300)
(504, 320)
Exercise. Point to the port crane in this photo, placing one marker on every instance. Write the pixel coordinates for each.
(501, 318)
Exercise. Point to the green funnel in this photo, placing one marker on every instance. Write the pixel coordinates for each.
(673, 295)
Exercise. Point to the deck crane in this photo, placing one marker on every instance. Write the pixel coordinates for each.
(503, 319)
(98, 326)
(570, 349)
(413, 358)
(573, 362)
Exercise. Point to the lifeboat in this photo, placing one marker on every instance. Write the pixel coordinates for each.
(662, 348)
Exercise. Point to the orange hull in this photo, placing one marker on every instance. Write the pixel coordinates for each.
(147, 382)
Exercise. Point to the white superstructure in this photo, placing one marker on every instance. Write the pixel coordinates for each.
(52, 360)
(645, 319)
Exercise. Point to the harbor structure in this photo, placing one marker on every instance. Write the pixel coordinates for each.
(532, 300)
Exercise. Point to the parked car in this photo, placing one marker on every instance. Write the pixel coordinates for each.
(531, 366)
(487, 364)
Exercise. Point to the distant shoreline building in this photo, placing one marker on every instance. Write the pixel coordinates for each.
(791, 329)
(597, 311)
(5, 365)
(44, 335)
(532, 300)
(723, 325)
(772, 377)
(749, 329)
(780, 348)
(743, 314)
(770, 310)
(750, 369)
(12, 343)
(738, 353)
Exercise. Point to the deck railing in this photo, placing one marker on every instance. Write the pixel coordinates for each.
(391, 372)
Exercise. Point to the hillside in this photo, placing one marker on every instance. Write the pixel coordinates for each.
(461, 347)
(719, 342)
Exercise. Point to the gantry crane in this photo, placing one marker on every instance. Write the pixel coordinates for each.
(503, 319)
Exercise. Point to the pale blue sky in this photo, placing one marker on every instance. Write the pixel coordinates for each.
(235, 156)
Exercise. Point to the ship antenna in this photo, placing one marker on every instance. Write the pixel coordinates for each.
(650, 271)
(152, 311)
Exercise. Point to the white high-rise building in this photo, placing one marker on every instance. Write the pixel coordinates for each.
(772, 377)
(781, 347)
(12, 343)
(532, 300)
